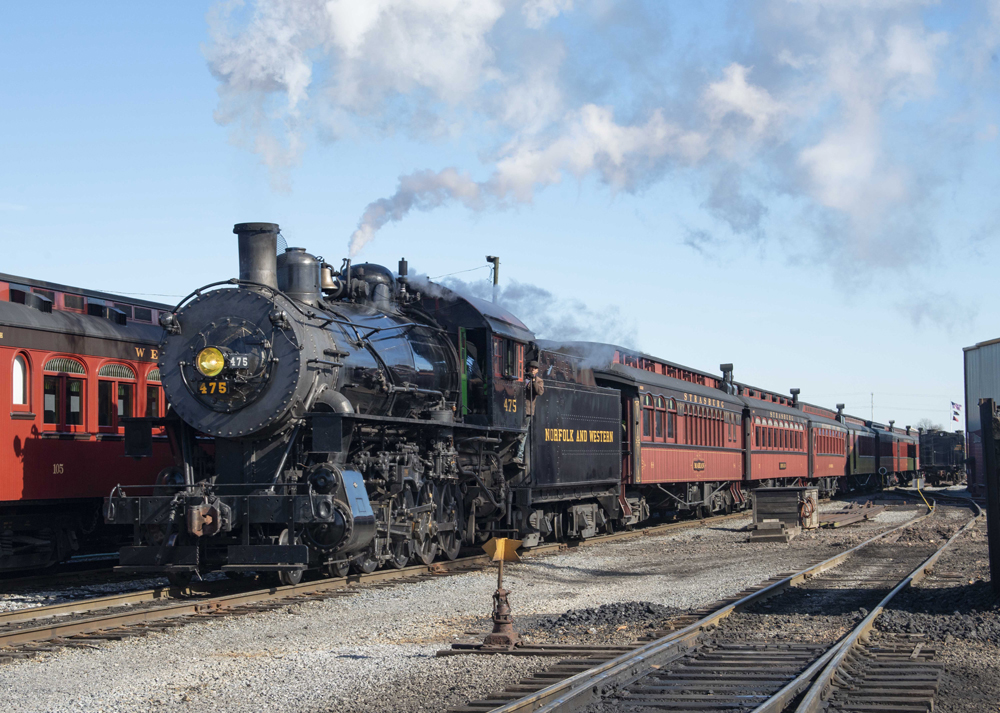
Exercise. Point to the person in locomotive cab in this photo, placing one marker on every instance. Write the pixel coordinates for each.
(533, 388)
(476, 382)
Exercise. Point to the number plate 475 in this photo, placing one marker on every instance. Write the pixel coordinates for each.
(210, 388)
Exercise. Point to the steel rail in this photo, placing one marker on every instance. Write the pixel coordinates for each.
(82, 606)
(813, 700)
(586, 687)
(187, 606)
(786, 695)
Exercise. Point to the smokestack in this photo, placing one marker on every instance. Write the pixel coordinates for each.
(403, 267)
(890, 424)
(727, 378)
(840, 412)
(795, 397)
(258, 252)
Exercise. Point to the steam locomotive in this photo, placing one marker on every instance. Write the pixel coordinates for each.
(345, 419)
(338, 419)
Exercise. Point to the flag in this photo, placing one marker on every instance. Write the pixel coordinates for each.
(956, 412)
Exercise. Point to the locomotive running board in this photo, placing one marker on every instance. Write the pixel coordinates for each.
(248, 557)
(158, 559)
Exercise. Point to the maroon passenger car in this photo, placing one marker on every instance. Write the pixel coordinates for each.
(75, 364)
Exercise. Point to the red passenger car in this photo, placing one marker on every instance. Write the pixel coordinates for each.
(75, 364)
(778, 444)
(827, 448)
(684, 435)
(697, 442)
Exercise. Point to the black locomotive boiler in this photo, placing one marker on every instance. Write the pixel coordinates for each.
(341, 419)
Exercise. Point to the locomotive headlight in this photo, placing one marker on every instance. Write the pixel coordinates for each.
(211, 361)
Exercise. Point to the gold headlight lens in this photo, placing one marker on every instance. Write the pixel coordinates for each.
(211, 361)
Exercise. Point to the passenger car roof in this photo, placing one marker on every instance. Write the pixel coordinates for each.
(631, 375)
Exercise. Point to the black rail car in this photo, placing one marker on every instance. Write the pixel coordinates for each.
(942, 456)
(575, 462)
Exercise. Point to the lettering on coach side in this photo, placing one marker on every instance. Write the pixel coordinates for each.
(140, 352)
(578, 435)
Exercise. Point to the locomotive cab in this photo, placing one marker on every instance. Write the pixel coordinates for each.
(493, 346)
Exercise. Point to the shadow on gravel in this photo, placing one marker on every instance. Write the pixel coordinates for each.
(723, 528)
(591, 572)
(820, 602)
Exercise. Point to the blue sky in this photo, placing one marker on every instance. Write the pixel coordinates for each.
(805, 189)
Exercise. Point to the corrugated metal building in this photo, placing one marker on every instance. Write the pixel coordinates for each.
(982, 381)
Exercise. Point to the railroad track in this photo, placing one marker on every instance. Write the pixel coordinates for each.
(27, 632)
(712, 660)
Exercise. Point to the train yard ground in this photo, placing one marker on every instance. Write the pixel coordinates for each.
(374, 647)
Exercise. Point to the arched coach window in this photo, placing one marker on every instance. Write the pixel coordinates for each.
(647, 417)
(64, 393)
(115, 395)
(659, 419)
(19, 382)
(671, 419)
(153, 399)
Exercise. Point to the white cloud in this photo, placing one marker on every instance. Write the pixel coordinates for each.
(592, 141)
(733, 94)
(296, 62)
(811, 97)
(538, 12)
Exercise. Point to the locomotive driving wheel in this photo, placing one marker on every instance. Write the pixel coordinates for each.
(291, 576)
(366, 562)
(449, 519)
(336, 569)
(399, 547)
(424, 545)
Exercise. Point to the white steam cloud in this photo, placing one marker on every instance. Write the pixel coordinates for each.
(544, 313)
(593, 143)
(817, 105)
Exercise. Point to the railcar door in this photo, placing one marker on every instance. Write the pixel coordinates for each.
(474, 352)
(747, 444)
(627, 429)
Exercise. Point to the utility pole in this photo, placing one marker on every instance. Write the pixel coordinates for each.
(495, 261)
(873, 406)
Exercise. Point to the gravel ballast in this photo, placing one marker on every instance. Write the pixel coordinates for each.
(956, 609)
(376, 650)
